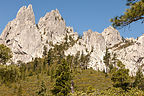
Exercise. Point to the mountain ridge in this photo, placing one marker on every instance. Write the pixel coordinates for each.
(27, 40)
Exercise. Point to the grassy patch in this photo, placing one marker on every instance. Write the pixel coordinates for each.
(82, 80)
(91, 78)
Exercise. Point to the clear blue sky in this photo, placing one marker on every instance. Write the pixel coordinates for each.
(80, 14)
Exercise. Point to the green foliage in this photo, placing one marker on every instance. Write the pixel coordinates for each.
(49, 57)
(76, 60)
(107, 58)
(110, 92)
(42, 90)
(132, 14)
(139, 80)
(9, 74)
(19, 91)
(35, 64)
(88, 82)
(62, 84)
(90, 90)
(61, 74)
(121, 77)
(87, 79)
(44, 51)
(120, 64)
(5, 54)
(84, 59)
(131, 2)
(22, 69)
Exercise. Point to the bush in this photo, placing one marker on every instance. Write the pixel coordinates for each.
(5, 54)
(9, 74)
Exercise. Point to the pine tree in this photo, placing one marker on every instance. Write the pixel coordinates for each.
(9, 74)
(22, 69)
(121, 77)
(63, 78)
(49, 57)
(44, 51)
(106, 59)
(76, 60)
(113, 63)
(35, 64)
(5, 54)
(134, 13)
(139, 79)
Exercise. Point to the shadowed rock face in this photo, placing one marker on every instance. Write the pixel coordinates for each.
(27, 40)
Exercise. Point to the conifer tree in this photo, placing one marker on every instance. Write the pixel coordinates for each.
(139, 79)
(134, 13)
(22, 69)
(63, 78)
(82, 60)
(121, 77)
(49, 57)
(76, 60)
(44, 51)
(35, 65)
(5, 54)
(107, 58)
(9, 74)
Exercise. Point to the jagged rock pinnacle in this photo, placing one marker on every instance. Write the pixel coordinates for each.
(27, 40)
(26, 14)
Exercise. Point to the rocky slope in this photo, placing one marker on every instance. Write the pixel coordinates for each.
(27, 39)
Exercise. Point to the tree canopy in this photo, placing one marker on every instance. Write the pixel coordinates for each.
(121, 77)
(63, 77)
(5, 54)
(135, 12)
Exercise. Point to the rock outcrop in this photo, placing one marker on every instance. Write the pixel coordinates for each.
(92, 43)
(27, 40)
(22, 36)
(131, 53)
(112, 36)
(52, 27)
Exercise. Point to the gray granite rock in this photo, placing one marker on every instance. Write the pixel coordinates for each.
(112, 36)
(91, 41)
(52, 27)
(27, 40)
(22, 36)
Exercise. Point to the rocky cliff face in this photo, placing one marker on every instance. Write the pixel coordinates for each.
(111, 36)
(22, 36)
(52, 27)
(27, 40)
(92, 43)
